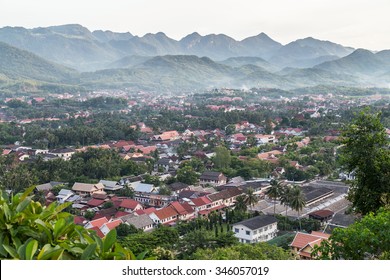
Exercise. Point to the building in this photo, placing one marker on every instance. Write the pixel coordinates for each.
(212, 178)
(143, 221)
(256, 229)
(322, 215)
(64, 153)
(87, 189)
(304, 243)
(130, 205)
(111, 185)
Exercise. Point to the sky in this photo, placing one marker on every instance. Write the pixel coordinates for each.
(354, 23)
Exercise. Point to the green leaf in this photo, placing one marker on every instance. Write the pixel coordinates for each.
(59, 226)
(22, 205)
(7, 213)
(88, 252)
(3, 241)
(11, 251)
(50, 253)
(109, 240)
(27, 192)
(31, 248)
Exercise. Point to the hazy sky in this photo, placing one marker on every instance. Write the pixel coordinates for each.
(355, 23)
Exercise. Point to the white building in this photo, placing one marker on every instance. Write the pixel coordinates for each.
(257, 229)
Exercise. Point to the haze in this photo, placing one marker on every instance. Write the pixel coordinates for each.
(355, 23)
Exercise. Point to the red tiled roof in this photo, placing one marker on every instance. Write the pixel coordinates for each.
(120, 214)
(165, 213)
(301, 240)
(188, 207)
(150, 210)
(178, 208)
(200, 201)
(95, 202)
(113, 224)
(205, 212)
(129, 204)
(79, 220)
(98, 222)
(140, 212)
(98, 231)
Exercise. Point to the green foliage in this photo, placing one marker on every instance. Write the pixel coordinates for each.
(29, 230)
(222, 157)
(258, 251)
(366, 239)
(365, 152)
(187, 175)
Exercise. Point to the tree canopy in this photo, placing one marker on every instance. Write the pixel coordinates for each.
(366, 153)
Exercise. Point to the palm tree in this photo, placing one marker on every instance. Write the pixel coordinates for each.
(240, 204)
(274, 192)
(285, 198)
(297, 200)
(250, 197)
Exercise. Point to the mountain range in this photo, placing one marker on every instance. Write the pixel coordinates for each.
(74, 56)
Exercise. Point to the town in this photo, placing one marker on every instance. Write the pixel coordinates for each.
(236, 166)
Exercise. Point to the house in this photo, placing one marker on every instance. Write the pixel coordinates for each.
(257, 229)
(87, 189)
(64, 153)
(212, 178)
(164, 164)
(201, 205)
(143, 221)
(164, 216)
(139, 187)
(47, 187)
(166, 136)
(107, 227)
(178, 187)
(304, 243)
(184, 210)
(64, 195)
(322, 215)
(111, 185)
(96, 223)
(130, 205)
(95, 202)
(227, 197)
(265, 139)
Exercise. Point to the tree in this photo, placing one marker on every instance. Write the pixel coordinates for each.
(29, 230)
(187, 175)
(240, 204)
(222, 157)
(258, 251)
(124, 230)
(285, 198)
(365, 153)
(365, 239)
(297, 200)
(274, 192)
(250, 197)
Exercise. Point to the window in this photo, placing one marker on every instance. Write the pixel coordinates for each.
(247, 232)
(265, 228)
(236, 230)
(255, 232)
(247, 241)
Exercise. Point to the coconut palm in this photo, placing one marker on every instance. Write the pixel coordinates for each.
(285, 198)
(275, 192)
(240, 204)
(297, 200)
(250, 197)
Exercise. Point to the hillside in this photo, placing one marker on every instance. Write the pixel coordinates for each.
(75, 46)
(16, 64)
